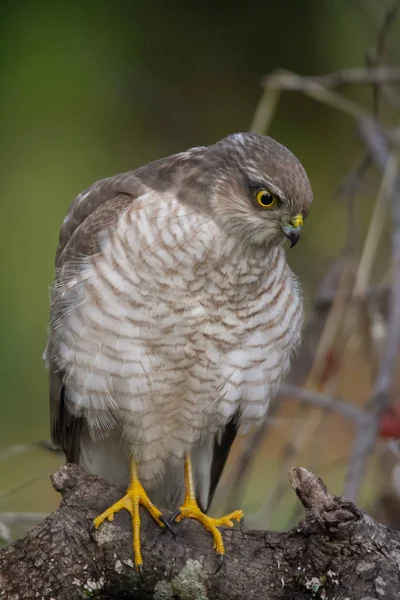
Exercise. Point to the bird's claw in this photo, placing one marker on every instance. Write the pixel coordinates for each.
(140, 571)
(174, 516)
(167, 523)
(221, 558)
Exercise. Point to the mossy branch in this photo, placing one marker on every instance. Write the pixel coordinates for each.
(336, 551)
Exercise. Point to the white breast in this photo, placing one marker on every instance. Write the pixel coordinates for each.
(164, 341)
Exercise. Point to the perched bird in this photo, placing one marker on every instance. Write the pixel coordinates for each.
(174, 315)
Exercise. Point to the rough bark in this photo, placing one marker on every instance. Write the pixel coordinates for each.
(336, 552)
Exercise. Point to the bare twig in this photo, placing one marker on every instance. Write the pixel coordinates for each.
(380, 398)
(321, 88)
(374, 60)
(265, 111)
(348, 190)
(352, 181)
(376, 56)
(323, 401)
(318, 378)
(372, 240)
(284, 80)
(318, 89)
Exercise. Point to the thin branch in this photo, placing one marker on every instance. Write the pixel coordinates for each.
(284, 80)
(265, 111)
(319, 88)
(352, 183)
(348, 190)
(322, 401)
(380, 398)
(376, 61)
(380, 154)
(372, 240)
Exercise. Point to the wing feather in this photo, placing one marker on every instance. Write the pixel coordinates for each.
(90, 214)
(93, 212)
(221, 451)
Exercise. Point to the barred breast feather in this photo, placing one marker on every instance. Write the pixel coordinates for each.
(169, 331)
(174, 313)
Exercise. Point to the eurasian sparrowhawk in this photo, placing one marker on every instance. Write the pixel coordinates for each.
(174, 314)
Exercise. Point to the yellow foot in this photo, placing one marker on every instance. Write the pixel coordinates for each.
(134, 496)
(191, 510)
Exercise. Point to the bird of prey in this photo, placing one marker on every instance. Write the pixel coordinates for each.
(174, 314)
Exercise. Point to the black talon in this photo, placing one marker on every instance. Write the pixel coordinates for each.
(241, 524)
(140, 569)
(167, 524)
(220, 563)
(174, 515)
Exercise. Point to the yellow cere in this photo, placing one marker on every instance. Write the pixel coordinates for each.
(297, 221)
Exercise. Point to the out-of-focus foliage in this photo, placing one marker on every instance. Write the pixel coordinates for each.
(89, 89)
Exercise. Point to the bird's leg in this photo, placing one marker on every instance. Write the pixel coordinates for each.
(190, 509)
(135, 495)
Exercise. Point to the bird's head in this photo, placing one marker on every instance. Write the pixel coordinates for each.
(257, 189)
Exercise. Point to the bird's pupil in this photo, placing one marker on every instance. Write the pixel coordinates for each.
(266, 199)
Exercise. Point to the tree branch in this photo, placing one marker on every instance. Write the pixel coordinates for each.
(313, 398)
(367, 432)
(336, 551)
(284, 80)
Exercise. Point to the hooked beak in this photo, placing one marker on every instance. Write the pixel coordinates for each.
(292, 229)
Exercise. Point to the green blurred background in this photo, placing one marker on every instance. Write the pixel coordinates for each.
(89, 89)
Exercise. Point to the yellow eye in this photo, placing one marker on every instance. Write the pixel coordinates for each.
(266, 199)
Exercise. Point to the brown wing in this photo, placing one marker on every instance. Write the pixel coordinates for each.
(94, 211)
